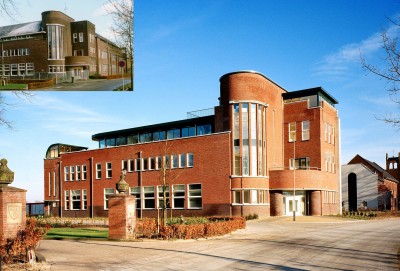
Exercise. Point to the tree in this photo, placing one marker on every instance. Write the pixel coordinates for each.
(8, 7)
(390, 71)
(4, 105)
(122, 13)
(167, 175)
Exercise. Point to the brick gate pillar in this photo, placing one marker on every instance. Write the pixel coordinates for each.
(315, 202)
(276, 203)
(12, 204)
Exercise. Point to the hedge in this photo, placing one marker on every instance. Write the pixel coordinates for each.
(147, 228)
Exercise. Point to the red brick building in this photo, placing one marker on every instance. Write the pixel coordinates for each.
(262, 151)
(57, 44)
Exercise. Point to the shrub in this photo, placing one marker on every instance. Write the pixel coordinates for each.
(15, 249)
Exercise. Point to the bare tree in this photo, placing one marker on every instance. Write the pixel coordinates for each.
(4, 105)
(390, 70)
(122, 14)
(167, 175)
(8, 8)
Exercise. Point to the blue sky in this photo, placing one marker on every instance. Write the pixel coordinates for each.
(183, 47)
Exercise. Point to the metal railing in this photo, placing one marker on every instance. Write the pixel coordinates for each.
(200, 113)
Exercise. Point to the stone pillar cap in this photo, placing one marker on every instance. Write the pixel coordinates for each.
(6, 175)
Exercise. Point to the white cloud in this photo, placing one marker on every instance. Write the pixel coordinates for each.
(338, 64)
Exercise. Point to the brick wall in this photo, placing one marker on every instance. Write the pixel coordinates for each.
(12, 211)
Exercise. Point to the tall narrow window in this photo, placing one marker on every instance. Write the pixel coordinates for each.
(236, 139)
(253, 136)
(148, 194)
(66, 173)
(54, 184)
(81, 37)
(178, 195)
(78, 173)
(84, 199)
(182, 160)
(245, 140)
(161, 196)
(55, 40)
(305, 130)
(108, 170)
(195, 198)
(190, 158)
(84, 174)
(292, 131)
(76, 199)
(107, 193)
(49, 184)
(135, 191)
(75, 37)
(98, 171)
(66, 200)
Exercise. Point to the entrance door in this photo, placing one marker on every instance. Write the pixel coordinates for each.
(290, 206)
(77, 73)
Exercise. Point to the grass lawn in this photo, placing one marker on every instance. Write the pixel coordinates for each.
(77, 233)
(13, 87)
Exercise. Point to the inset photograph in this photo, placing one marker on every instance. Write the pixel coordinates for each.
(59, 45)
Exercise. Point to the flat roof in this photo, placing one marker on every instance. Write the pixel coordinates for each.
(154, 127)
(309, 92)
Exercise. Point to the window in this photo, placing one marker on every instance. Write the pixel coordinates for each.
(174, 133)
(78, 173)
(236, 196)
(66, 173)
(333, 136)
(329, 133)
(21, 69)
(305, 130)
(190, 159)
(78, 52)
(152, 163)
(178, 196)
(148, 194)
(66, 200)
(246, 196)
(204, 129)
(138, 164)
(107, 192)
(104, 55)
(292, 131)
(160, 135)
(124, 165)
(182, 160)
(135, 191)
(161, 196)
(300, 163)
(29, 69)
(188, 131)
(75, 199)
(49, 184)
(167, 161)
(55, 41)
(195, 200)
(81, 37)
(84, 175)
(6, 69)
(14, 69)
(108, 170)
(159, 164)
(72, 173)
(175, 161)
(54, 184)
(145, 164)
(84, 199)
(98, 171)
(131, 165)
(75, 37)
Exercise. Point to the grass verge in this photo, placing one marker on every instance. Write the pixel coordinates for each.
(13, 87)
(77, 233)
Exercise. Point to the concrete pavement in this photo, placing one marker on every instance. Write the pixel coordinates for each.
(309, 243)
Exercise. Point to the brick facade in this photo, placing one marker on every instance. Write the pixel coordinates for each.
(240, 158)
(69, 48)
(12, 211)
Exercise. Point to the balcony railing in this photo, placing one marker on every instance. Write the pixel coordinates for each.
(200, 113)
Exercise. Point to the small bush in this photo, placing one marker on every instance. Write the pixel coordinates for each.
(251, 216)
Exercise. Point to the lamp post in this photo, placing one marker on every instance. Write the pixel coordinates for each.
(294, 174)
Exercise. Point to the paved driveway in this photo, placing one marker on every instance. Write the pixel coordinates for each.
(271, 244)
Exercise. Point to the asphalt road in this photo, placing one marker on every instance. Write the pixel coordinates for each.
(91, 84)
(272, 244)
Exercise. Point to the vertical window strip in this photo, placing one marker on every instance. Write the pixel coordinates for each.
(49, 184)
(253, 139)
(54, 184)
(245, 139)
(236, 139)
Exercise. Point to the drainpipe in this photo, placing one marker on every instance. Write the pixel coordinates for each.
(60, 192)
(91, 187)
(140, 187)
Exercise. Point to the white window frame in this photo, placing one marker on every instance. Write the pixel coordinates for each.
(292, 131)
(98, 171)
(182, 160)
(66, 173)
(174, 161)
(66, 200)
(152, 163)
(54, 183)
(107, 192)
(84, 173)
(178, 188)
(148, 198)
(75, 37)
(194, 196)
(305, 131)
(190, 160)
(135, 191)
(78, 173)
(84, 199)
(72, 173)
(81, 37)
(160, 197)
(108, 170)
(75, 197)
